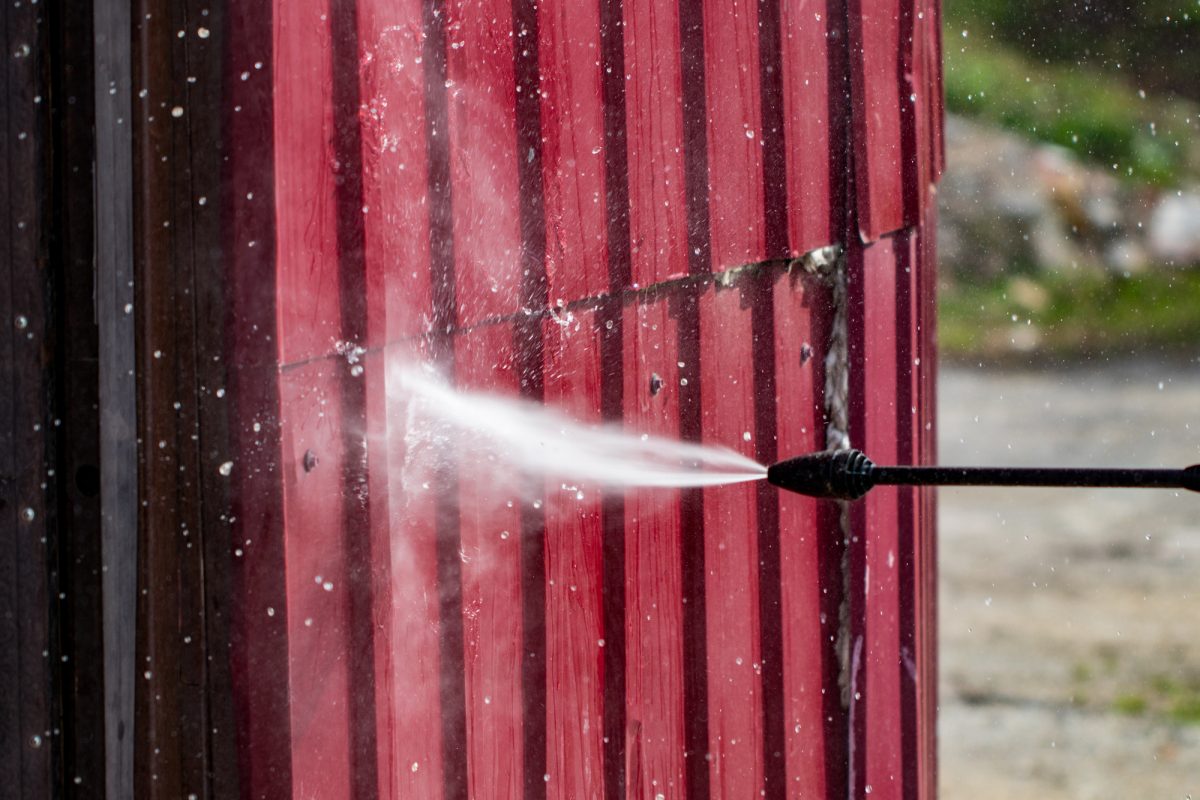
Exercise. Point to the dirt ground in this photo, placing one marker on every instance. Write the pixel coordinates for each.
(1070, 619)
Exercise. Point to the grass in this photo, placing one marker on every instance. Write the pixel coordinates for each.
(1174, 698)
(1098, 116)
(1132, 705)
(1070, 315)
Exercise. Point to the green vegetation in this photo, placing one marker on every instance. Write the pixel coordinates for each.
(1102, 118)
(1070, 314)
(1171, 698)
(1132, 705)
(1149, 42)
(1105, 121)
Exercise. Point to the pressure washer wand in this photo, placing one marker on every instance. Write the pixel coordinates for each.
(849, 474)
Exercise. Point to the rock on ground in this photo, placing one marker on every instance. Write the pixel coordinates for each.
(1007, 200)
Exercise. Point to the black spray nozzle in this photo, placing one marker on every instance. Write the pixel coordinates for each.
(849, 474)
(833, 474)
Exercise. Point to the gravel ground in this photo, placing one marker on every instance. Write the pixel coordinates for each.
(1070, 619)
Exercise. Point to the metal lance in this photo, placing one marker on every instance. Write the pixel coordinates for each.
(849, 474)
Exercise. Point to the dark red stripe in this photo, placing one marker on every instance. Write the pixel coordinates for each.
(441, 250)
(770, 581)
(770, 75)
(695, 135)
(612, 382)
(352, 287)
(910, 153)
(857, 722)
(612, 515)
(838, 113)
(616, 153)
(830, 578)
(528, 346)
(529, 350)
(691, 525)
(691, 517)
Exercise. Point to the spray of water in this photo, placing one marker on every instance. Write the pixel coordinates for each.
(518, 434)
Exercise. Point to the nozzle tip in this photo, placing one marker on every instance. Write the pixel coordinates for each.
(831, 474)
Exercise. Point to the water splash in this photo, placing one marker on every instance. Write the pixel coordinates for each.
(513, 433)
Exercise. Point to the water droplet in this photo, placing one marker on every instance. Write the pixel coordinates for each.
(22, 322)
(28, 514)
(327, 586)
(177, 112)
(202, 33)
(35, 741)
(226, 469)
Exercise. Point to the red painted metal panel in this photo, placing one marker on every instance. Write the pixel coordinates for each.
(875, 703)
(653, 581)
(573, 155)
(490, 529)
(409, 721)
(395, 176)
(317, 605)
(654, 126)
(813, 105)
(810, 565)
(575, 635)
(735, 134)
(481, 91)
(708, 577)
(731, 559)
(877, 52)
(936, 89)
(305, 173)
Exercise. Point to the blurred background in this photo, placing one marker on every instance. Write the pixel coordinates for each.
(1069, 328)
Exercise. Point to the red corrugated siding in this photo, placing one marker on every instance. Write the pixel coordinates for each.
(421, 180)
